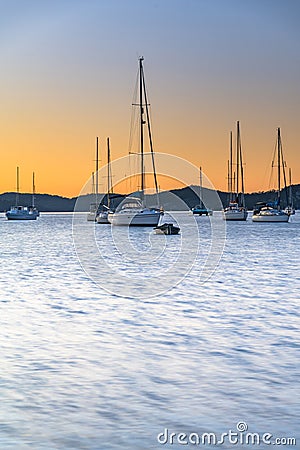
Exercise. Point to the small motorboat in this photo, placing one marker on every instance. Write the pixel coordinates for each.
(166, 228)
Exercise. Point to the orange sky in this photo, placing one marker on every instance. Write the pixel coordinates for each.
(68, 76)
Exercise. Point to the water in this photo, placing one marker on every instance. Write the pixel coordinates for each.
(83, 368)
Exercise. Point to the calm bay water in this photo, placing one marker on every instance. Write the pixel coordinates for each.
(83, 368)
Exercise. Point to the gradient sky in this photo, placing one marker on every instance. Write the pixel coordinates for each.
(68, 70)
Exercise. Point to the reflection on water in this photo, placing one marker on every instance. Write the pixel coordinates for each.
(85, 369)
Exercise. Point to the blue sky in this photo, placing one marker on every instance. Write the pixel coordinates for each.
(68, 71)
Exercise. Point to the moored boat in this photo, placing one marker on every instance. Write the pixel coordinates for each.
(269, 213)
(167, 228)
(201, 209)
(133, 211)
(92, 214)
(236, 209)
(105, 209)
(20, 212)
(272, 212)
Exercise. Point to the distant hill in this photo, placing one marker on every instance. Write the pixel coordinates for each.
(44, 202)
(189, 196)
(56, 203)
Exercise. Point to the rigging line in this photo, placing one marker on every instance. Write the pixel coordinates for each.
(283, 170)
(150, 135)
(242, 176)
(237, 157)
(273, 165)
(133, 115)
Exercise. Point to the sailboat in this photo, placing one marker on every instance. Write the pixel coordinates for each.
(92, 214)
(290, 207)
(236, 209)
(132, 210)
(272, 211)
(104, 209)
(200, 209)
(19, 212)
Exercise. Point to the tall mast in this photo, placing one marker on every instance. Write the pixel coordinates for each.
(290, 189)
(96, 171)
(242, 171)
(283, 164)
(200, 190)
(108, 173)
(230, 170)
(233, 184)
(237, 158)
(141, 125)
(33, 189)
(278, 164)
(93, 183)
(150, 134)
(18, 188)
(228, 180)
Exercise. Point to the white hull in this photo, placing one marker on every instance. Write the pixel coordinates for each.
(232, 214)
(143, 219)
(270, 218)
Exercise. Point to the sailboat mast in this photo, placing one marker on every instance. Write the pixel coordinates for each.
(18, 188)
(228, 180)
(290, 189)
(108, 173)
(141, 125)
(150, 133)
(33, 189)
(278, 166)
(242, 173)
(237, 158)
(96, 171)
(234, 178)
(200, 190)
(93, 183)
(230, 170)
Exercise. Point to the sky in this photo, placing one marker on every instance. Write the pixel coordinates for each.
(68, 71)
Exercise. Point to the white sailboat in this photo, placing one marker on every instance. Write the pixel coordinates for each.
(200, 209)
(104, 209)
(132, 211)
(19, 212)
(236, 209)
(92, 214)
(272, 212)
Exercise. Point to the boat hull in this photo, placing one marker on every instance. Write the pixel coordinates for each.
(202, 212)
(141, 219)
(270, 218)
(235, 215)
(167, 228)
(21, 217)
